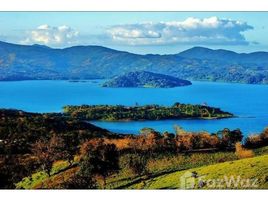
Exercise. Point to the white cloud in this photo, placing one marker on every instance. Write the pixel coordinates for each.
(53, 36)
(211, 30)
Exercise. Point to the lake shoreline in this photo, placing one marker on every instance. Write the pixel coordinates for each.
(51, 95)
(105, 79)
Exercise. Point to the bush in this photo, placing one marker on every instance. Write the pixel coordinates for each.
(242, 152)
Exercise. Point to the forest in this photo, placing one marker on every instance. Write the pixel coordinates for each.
(146, 112)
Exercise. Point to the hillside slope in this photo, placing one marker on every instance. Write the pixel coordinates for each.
(19, 130)
(251, 173)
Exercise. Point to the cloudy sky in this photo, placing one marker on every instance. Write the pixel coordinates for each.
(139, 32)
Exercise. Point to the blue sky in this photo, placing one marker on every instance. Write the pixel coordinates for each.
(139, 32)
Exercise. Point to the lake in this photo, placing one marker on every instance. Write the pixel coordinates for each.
(248, 102)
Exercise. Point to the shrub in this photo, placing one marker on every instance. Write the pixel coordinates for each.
(242, 152)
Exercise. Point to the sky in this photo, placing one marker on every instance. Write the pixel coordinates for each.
(139, 32)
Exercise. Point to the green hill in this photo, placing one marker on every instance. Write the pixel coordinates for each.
(251, 173)
(146, 79)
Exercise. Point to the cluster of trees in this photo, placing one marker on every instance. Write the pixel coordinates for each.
(255, 141)
(152, 141)
(99, 158)
(147, 112)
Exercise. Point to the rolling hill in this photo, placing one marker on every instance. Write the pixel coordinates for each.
(233, 173)
(250, 173)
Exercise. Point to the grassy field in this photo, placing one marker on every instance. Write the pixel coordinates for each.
(39, 178)
(251, 173)
(165, 164)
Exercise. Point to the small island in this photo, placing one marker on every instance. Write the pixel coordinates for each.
(147, 80)
(146, 112)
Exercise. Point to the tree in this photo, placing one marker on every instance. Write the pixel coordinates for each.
(153, 141)
(168, 141)
(185, 142)
(264, 136)
(148, 140)
(48, 152)
(214, 141)
(71, 142)
(138, 164)
(83, 179)
(205, 140)
(253, 141)
(230, 138)
(99, 159)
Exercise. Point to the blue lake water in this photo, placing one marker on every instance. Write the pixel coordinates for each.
(248, 102)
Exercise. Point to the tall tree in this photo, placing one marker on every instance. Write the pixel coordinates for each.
(48, 151)
(99, 159)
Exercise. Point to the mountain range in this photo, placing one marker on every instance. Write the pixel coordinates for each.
(38, 62)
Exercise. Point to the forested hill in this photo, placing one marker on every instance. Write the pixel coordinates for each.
(146, 79)
(147, 112)
(19, 129)
(258, 58)
(27, 62)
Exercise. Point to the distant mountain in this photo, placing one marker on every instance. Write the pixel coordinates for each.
(146, 79)
(225, 56)
(37, 62)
